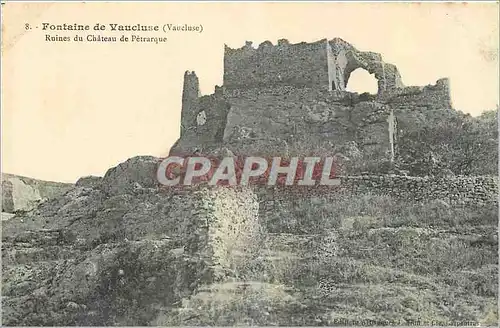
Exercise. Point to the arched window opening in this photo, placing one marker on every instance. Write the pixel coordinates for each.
(201, 119)
(361, 81)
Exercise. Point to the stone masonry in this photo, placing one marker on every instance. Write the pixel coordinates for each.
(290, 99)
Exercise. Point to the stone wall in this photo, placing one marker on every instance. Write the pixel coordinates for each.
(210, 221)
(324, 64)
(455, 191)
(211, 128)
(413, 98)
(285, 115)
(287, 120)
(303, 64)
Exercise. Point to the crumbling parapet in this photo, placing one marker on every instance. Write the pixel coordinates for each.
(433, 96)
(299, 65)
(283, 42)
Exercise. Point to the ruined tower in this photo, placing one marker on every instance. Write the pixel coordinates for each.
(190, 94)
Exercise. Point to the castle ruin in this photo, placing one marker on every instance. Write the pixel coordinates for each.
(291, 99)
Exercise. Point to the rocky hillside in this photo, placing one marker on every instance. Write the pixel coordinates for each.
(441, 142)
(121, 251)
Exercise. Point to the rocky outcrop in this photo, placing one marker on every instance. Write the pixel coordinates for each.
(89, 182)
(23, 194)
(137, 172)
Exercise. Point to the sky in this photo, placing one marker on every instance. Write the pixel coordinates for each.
(77, 109)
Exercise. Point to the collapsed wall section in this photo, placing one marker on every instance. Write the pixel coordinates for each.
(324, 64)
(435, 96)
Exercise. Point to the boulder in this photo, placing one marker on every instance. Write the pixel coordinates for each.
(136, 172)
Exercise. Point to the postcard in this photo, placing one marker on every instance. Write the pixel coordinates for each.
(249, 164)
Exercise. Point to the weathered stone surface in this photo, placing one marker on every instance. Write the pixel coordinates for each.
(6, 216)
(137, 172)
(462, 190)
(300, 64)
(89, 182)
(22, 193)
